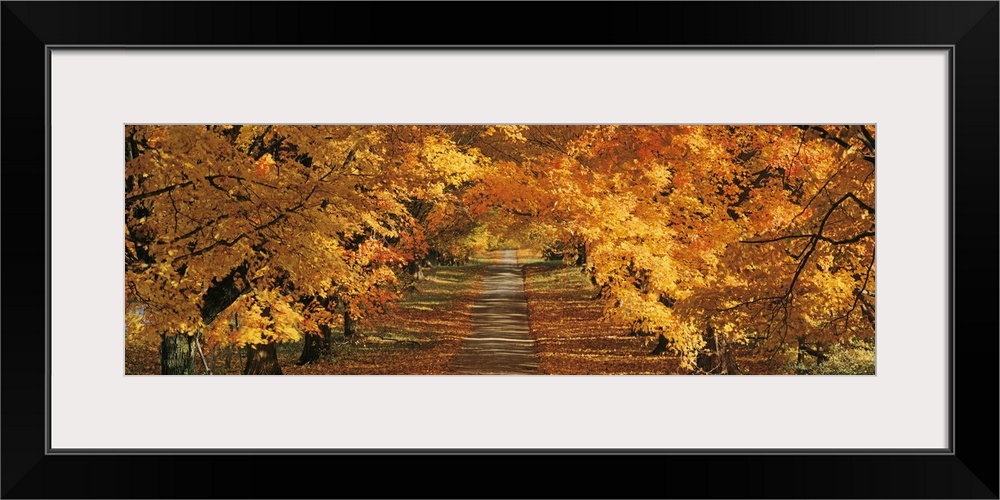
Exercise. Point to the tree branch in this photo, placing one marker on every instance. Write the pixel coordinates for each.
(134, 198)
(820, 237)
(863, 205)
(858, 296)
(826, 135)
(868, 139)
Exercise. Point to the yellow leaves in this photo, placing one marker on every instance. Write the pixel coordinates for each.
(257, 318)
(665, 220)
(513, 133)
(444, 158)
(135, 322)
(248, 135)
(659, 213)
(156, 136)
(263, 165)
(659, 175)
(285, 321)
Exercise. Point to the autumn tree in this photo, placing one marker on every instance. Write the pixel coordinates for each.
(228, 227)
(407, 186)
(717, 241)
(707, 237)
(203, 213)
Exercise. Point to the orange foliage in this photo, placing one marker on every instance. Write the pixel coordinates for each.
(762, 235)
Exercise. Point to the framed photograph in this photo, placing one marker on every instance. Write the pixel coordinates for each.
(920, 78)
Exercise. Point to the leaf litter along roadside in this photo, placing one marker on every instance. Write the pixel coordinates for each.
(686, 229)
(419, 335)
(423, 332)
(572, 338)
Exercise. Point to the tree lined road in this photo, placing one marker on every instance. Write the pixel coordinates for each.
(500, 342)
(720, 241)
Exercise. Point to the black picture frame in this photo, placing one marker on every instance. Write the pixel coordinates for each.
(970, 29)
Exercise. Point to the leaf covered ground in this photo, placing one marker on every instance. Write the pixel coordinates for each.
(424, 331)
(419, 335)
(567, 322)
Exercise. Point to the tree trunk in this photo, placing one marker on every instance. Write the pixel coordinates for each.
(716, 357)
(350, 325)
(177, 354)
(662, 344)
(262, 360)
(798, 361)
(581, 254)
(816, 353)
(316, 346)
(312, 349)
(727, 358)
(708, 357)
(415, 269)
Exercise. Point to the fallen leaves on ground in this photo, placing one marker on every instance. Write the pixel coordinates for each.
(420, 337)
(571, 336)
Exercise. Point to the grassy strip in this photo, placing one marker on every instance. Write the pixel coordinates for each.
(572, 338)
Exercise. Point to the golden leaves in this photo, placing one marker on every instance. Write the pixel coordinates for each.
(662, 216)
(513, 133)
(263, 165)
(156, 136)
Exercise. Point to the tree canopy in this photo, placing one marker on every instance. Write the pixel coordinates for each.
(707, 238)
